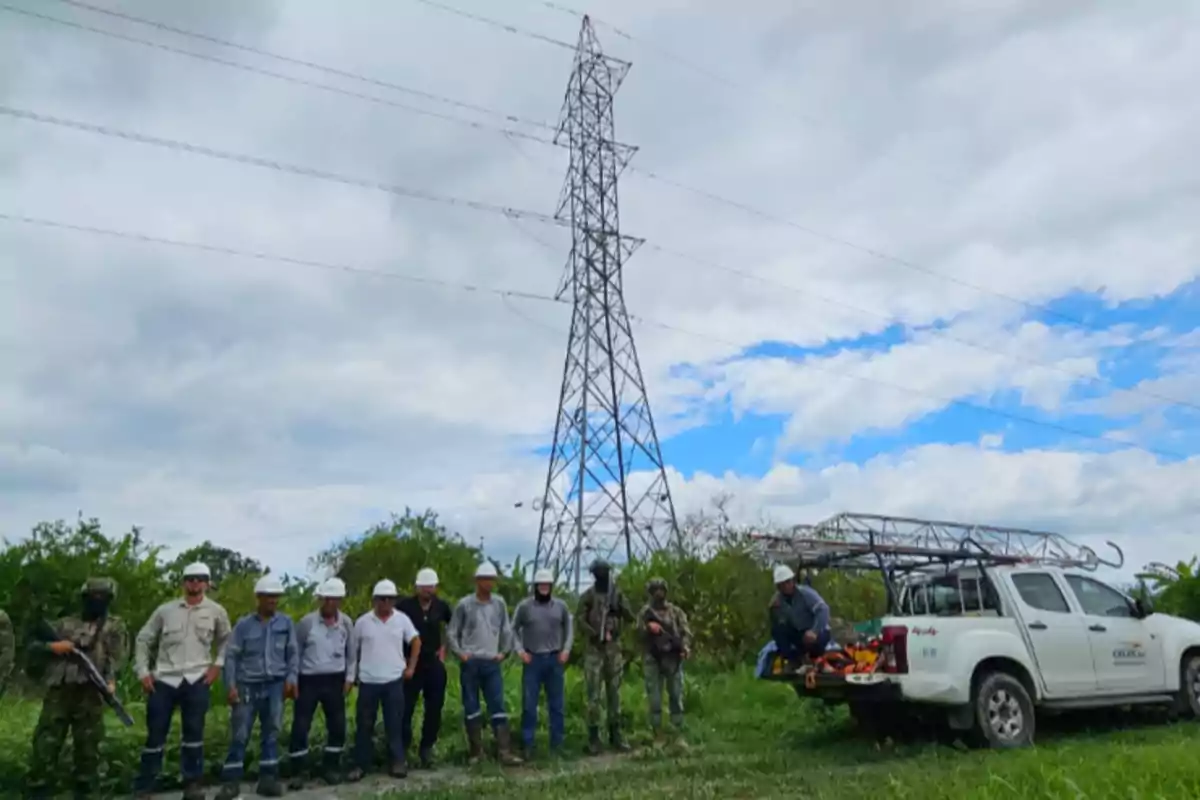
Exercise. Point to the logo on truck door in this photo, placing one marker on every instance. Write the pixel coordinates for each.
(1129, 652)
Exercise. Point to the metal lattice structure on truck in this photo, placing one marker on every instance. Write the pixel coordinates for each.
(874, 541)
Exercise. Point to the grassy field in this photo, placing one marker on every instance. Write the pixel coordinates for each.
(750, 739)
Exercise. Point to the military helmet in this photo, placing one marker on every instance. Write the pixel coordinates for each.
(599, 565)
(99, 586)
(654, 584)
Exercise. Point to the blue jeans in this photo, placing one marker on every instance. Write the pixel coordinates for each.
(543, 670)
(192, 701)
(790, 642)
(264, 701)
(370, 697)
(482, 674)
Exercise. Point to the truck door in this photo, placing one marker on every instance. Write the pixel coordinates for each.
(1128, 658)
(1057, 636)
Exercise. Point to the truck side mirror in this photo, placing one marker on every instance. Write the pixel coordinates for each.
(1142, 607)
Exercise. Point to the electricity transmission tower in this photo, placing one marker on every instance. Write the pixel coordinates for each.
(604, 434)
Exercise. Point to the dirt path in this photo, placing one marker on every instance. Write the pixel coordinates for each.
(446, 776)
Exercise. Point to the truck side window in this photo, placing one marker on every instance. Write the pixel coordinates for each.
(1097, 599)
(1039, 591)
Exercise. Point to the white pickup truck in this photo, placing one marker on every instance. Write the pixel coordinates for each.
(987, 649)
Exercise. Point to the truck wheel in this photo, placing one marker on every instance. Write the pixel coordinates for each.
(1003, 712)
(1188, 702)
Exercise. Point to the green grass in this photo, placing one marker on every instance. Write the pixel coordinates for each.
(752, 739)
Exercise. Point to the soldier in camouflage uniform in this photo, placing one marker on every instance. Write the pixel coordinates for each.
(72, 703)
(667, 641)
(602, 609)
(8, 650)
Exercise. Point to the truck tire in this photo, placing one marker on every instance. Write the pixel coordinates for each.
(1187, 704)
(1004, 716)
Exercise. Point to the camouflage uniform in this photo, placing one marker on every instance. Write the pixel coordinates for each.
(603, 663)
(8, 650)
(662, 659)
(71, 702)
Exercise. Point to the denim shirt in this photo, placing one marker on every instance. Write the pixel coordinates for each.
(262, 650)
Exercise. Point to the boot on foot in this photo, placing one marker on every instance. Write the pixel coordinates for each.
(593, 746)
(504, 746)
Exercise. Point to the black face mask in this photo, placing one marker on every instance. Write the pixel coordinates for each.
(95, 606)
(601, 576)
(542, 598)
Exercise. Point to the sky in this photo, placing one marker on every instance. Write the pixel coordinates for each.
(924, 263)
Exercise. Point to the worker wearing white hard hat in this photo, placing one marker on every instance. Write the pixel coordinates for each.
(384, 635)
(261, 670)
(481, 636)
(186, 663)
(430, 614)
(543, 630)
(327, 646)
(799, 617)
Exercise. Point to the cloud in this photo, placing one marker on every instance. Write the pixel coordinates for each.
(939, 174)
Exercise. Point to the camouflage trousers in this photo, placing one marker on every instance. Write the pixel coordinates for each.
(670, 672)
(603, 666)
(74, 707)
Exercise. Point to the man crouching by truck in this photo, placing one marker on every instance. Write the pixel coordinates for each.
(799, 618)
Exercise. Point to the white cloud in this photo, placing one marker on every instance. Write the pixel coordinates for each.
(1026, 149)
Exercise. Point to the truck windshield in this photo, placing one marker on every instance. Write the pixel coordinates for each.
(952, 595)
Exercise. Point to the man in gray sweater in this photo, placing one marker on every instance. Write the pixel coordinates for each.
(543, 630)
(480, 635)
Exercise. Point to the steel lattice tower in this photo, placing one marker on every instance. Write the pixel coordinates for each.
(604, 431)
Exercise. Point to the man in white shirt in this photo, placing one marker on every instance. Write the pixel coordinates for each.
(187, 631)
(382, 635)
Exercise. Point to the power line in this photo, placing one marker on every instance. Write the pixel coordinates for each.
(535, 296)
(495, 23)
(873, 252)
(342, 73)
(182, 244)
(280, 166)
(325, 87)
(517, 214)
(510, 135)
(659, 49)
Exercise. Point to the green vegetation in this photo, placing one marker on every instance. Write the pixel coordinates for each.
(746, 738)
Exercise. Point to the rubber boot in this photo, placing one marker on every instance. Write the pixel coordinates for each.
(297, 771)
(331, 768)
(474, 741)
(269, 786)
(399, 769)
(425, 758)
(616, 740)
(193, 790)
(229, 791)
(504, 746)
(593, 746)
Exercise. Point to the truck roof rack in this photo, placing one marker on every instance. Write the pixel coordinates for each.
(901, 544)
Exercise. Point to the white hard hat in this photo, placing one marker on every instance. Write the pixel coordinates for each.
(333, 587)
(426, 577)
(196, 570)
(783, 573)
(384, 588)
(268, 584)
(486, 570)
(543, 576)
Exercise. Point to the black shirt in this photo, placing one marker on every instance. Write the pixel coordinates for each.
(428, 623)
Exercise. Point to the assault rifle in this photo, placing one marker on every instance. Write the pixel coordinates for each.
(610, 598)
(46, 633)
(668, 641)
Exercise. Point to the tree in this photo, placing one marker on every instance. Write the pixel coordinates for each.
(221, 561)
(396, 550)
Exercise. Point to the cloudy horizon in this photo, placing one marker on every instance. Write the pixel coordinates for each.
(961, 285)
